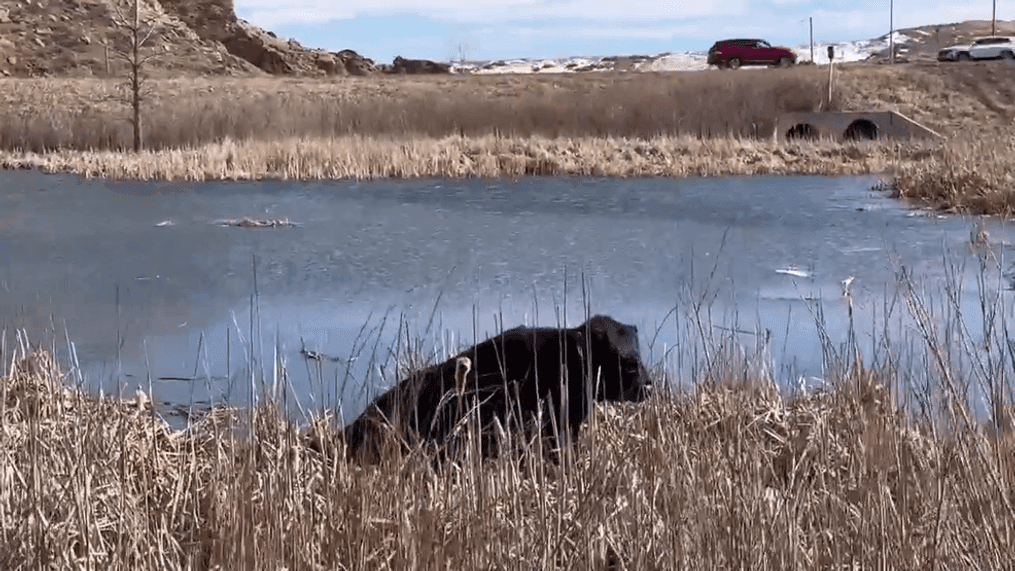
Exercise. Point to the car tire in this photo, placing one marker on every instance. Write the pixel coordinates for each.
(963, 56)
(733, 63)
(784, 62)
(1008, 55)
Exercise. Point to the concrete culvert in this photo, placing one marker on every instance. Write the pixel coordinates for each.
(802, 131)
(861, 129)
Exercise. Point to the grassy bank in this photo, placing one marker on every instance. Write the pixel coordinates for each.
(89, 114)
(612, 124)
(41, 115)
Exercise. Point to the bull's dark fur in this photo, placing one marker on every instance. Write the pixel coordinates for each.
(509, 377)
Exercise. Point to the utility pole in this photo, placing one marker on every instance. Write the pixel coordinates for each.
(993, 19)
(891, 31)
(831, 56)
(811, 18)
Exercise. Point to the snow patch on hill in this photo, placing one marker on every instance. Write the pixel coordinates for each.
(858, 50)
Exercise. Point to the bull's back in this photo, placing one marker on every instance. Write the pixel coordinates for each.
(516, 369)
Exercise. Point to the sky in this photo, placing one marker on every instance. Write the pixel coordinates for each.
(443, 30)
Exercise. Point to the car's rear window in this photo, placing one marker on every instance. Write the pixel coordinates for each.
(989, 41)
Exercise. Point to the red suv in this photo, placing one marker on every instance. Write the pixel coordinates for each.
(735, 53)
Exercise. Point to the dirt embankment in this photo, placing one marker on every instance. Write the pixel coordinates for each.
(967, 99)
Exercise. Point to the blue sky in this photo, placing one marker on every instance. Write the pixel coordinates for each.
(496, 29)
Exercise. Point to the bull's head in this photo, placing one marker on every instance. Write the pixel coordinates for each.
(617, 371)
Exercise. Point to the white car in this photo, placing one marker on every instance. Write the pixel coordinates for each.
(993, 47)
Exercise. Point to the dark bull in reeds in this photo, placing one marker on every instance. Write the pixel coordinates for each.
(541, 380)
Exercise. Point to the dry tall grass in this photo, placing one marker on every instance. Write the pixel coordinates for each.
(730, 474)
(488, 156)
(968, 175)
(87, 114)
(43, 115)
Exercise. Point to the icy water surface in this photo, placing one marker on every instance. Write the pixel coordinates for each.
(146, 263)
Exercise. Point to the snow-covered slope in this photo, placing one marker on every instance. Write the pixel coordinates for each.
(682, 61)
(859, 50)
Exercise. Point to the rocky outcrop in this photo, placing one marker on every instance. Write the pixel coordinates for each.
(215, 20)
(257, 47)
(356, 64)
(79, 37)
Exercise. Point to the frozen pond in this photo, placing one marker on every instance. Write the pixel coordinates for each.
(443, 261)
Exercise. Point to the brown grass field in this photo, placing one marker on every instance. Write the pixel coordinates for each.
(615, 124)
(872, 472)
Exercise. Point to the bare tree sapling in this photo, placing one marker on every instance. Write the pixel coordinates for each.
(139, 32)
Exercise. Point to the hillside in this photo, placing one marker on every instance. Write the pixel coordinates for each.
(70, 38)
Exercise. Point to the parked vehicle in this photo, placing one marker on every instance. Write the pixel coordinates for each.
(992, 47)
(735, 53)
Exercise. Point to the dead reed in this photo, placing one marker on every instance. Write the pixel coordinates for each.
(488, 156)
(968, 175)
(731, 473)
